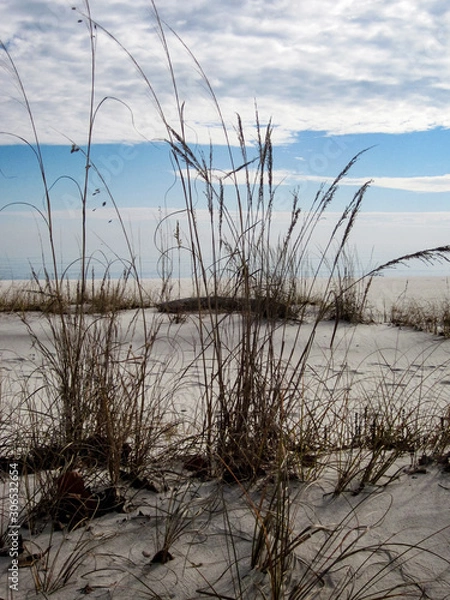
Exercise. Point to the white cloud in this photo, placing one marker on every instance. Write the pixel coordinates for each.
(435, 184)
(341, 66)
(290, 178)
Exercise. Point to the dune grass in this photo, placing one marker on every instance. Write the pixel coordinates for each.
(106, 397)
(432, 316)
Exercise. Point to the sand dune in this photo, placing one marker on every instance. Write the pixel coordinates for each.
(364, 542)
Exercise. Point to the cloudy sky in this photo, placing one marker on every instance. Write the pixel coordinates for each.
(335, 77)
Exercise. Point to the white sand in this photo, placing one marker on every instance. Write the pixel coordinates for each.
(211, 556)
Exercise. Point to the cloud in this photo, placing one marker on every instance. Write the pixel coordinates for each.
(291, 178)
(437, 184)
(336, 66)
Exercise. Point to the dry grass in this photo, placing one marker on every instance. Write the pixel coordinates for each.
(432, 316)
(104, 295)
(105, 398)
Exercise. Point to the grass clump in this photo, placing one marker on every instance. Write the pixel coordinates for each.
(106, 392)
(103, 295)
(432, 316)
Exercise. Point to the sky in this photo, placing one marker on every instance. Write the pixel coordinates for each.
(334, 78)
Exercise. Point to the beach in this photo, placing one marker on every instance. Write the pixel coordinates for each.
(359, 509)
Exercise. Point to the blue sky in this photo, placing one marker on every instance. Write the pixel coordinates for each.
(334, 77)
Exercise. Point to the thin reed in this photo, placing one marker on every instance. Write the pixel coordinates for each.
(106, 397)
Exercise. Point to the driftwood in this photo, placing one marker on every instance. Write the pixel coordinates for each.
(266, 307)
